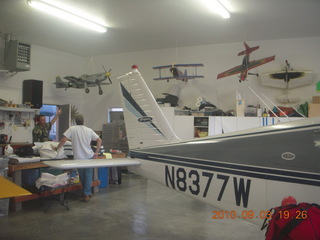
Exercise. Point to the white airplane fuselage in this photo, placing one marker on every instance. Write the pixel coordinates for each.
(243, 173)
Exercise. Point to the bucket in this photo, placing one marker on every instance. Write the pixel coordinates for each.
(103, 177)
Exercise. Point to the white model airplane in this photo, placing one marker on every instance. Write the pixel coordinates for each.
(242, 173)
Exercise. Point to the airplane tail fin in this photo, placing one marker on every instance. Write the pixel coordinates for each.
(145, 123)
(58, 80)
(59, 83)
(248, 49)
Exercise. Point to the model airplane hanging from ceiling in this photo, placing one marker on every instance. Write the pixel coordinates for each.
(242, 172)
(177, 74)
(287, 78)
(246, 65)
(85, 81)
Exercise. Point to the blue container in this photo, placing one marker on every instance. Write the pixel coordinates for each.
(30, 176)
(103, 177)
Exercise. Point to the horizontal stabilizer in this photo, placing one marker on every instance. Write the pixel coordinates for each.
(248, 49)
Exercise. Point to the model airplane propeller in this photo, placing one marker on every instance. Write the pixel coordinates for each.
(85, 81)
(246, 65)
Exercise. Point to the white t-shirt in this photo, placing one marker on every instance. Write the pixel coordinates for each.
(81, 137)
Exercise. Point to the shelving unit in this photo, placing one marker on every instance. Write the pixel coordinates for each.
(17, 109)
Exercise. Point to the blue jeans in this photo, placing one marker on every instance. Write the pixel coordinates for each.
(86, 175)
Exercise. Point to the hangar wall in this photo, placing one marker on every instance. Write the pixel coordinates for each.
(302, 53)
(46, 64)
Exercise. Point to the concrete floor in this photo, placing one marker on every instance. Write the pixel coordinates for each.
(138, 209)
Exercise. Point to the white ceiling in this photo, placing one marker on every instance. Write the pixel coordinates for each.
(136, 25)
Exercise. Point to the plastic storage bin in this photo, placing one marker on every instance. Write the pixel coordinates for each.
(4, 207)
(3, 167)
(103, 176)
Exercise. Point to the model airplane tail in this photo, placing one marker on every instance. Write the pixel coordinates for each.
(59, 83)
(145, 123)
(248, 49)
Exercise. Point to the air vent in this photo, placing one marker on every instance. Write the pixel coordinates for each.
(17, 56)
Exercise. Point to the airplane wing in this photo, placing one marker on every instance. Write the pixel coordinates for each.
(256, 63)
(91, 163)
(296, 79)
(287, 75)
(179, 77)
(9, 189)
(240, 68)
(73, 79)
(179, 65)
(230, 72)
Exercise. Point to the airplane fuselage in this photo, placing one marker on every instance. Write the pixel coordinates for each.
(244, 173)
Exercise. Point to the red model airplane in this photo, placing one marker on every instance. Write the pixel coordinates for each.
(246, 64)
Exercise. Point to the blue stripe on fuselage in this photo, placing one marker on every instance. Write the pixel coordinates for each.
(237, 169)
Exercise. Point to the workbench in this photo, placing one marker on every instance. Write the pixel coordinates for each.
(16, 172)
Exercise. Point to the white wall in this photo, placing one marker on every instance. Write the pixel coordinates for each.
(302, 53)
(46, 64)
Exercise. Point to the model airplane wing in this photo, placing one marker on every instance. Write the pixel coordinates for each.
(231, 72)
(177, 74)
(286, 76)
(240, 68)
(73, 79)
(287, 79)
(184, 77)
(91, 163)
(179, 65)
(256, 63)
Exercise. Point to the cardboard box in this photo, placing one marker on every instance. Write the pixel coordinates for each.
(314, 110)
(197, 113)
(316, 99)
(240, 107)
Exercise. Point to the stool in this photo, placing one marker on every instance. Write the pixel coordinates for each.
(50, 194)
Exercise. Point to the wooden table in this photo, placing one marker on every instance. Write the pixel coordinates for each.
(15, 170)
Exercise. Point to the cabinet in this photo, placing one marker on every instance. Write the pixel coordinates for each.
(185, 126)
(201, 126)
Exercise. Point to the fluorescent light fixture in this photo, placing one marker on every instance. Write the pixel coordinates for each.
(66, 15)
(217, 7)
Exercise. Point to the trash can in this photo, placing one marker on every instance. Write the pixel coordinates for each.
(3, 167)
(103, 177)
(4, 207)
(4, 202)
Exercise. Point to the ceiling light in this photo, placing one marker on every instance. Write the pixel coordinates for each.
(66, 15)
(217, 7)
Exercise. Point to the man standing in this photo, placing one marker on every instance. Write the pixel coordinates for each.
(81, 137)
(41, 131)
